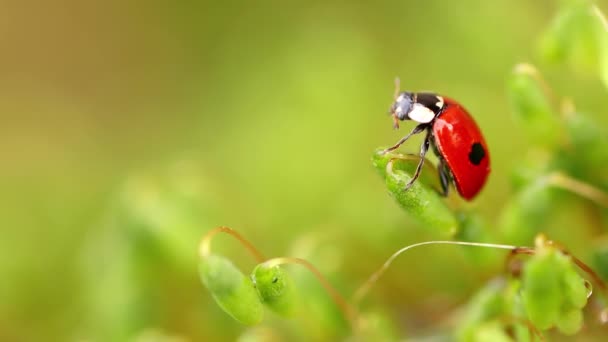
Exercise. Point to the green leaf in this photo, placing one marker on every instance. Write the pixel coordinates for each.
(421, 201)
(588, 141)
(556, 41)
(232, 291)
(574, 286)
(570, 321)
(553, 292)
(572, 37)
(532, 108)
(276, 288)
(542, 289)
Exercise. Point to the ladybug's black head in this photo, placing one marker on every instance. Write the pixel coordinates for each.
(403, 105)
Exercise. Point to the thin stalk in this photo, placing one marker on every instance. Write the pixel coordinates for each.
(563, 181)
(349, 312)
(205, 245)
(364, 289)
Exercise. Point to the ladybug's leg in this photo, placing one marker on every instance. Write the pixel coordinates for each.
(444, 177)
(416, 130)
(424, 148)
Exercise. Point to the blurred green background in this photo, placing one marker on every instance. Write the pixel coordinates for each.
(119, 117)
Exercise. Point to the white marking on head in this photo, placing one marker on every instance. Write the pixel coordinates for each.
(400, 98)
(421, 114)
(439, 103)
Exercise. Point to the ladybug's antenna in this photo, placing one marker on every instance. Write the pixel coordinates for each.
(397, 87)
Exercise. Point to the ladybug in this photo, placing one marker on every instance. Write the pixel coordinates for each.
(452, 133)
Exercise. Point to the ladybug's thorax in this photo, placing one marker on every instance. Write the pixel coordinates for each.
(427, 107)
(419, 107)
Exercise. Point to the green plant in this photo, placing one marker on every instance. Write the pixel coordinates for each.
(538, 294)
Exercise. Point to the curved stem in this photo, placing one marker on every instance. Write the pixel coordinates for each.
(515, 252)
(364, 289)
(563, 181)
(596, 10)
(205, 245)
(596, 278)
(348, 311)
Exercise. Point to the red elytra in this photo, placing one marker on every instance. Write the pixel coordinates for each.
(455, 137)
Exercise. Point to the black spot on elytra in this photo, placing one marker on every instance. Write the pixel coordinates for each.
(477, 153)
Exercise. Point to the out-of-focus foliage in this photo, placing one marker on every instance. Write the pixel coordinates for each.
(532, 108)
(233, 291)
(129, 130)
(578, 35)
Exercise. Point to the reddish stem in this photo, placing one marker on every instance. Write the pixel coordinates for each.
(205, 245)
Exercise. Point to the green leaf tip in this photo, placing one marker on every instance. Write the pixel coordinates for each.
(421, 201)
(232, 291)
(275, 288)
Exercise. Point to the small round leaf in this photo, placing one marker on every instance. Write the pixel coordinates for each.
(276, 288)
